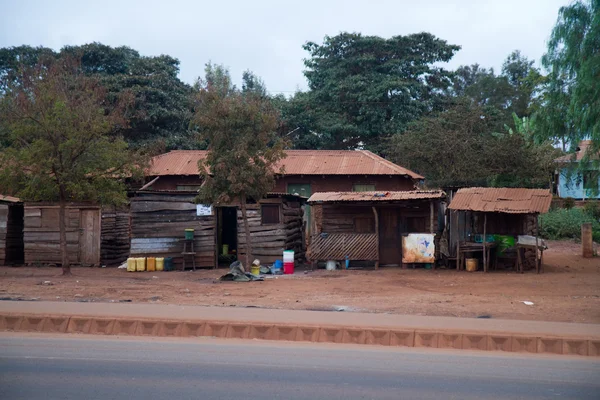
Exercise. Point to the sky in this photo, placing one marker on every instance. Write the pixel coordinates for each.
(266, 36)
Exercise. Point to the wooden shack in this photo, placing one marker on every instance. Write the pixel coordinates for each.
(158, 223)
(159, 219)
(369, 226)
(275, 225)
(42, 236)
(95, 235)
(494, 211)
(11, 231)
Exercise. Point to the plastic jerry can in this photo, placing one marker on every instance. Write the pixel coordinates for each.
(131, 265)
(140, 264)
(151, 264)
(160, 264)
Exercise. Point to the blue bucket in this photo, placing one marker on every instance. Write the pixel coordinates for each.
(278, 264)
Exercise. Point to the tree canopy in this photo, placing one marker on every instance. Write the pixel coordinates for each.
(362, 89)
(460, 147)
(161, 112)
(572, 106)
(60, 137)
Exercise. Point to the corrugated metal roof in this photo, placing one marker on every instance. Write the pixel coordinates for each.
(336, 197)
(504, 200)
(583, 147)
(297, 162)
(9, 199)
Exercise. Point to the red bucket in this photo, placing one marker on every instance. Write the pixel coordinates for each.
(288, 268)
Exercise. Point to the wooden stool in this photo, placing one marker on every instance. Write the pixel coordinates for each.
(191, 253)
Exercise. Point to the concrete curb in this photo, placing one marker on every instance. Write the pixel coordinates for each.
(444, 339)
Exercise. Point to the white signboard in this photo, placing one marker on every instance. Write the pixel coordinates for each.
(203, 209)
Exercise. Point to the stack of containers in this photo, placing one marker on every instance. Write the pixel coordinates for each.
(288, 262)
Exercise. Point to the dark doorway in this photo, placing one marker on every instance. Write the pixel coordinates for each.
(15, 249)
(390, 245)
(227, 235)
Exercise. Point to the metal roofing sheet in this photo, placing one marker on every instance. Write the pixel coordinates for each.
(333, 197)
(297, 162)
(9, 199)
(583, 147)
(504, 200)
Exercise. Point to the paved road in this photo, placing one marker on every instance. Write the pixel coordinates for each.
(37, 366)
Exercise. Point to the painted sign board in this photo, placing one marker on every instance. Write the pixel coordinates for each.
(203, 209)
(418, 248)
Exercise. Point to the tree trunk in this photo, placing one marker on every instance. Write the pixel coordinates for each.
(247, 229)
(66, 266)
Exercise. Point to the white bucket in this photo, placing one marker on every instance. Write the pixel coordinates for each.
(288, 256)
(331, 265)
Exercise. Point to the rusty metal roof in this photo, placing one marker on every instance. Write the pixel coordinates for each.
(582, 148)
(297, 162)
(338, 197)
(503, 200)
(9, 199)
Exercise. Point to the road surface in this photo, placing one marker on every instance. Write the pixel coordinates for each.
(37, 366)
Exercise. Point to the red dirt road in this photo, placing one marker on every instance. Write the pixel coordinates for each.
(569, 291)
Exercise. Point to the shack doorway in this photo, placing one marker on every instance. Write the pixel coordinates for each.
(226, 235)
(390, 243)
(15, 249)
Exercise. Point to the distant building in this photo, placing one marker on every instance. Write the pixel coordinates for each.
(572, 182)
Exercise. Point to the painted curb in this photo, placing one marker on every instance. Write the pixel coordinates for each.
(446, 339)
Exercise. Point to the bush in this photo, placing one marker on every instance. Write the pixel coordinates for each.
(569, 203)
(592, 208)
(566, 223)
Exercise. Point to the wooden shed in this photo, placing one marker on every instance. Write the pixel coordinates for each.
(494, 211)
(11, 230)
(158, 222)
(159, 219)
(42, 236)
(370, 226)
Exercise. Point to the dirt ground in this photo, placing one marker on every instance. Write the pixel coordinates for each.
(569, 290)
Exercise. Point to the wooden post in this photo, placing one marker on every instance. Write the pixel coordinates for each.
(485, 266)
(377, 233)
(431, 214)
(587, 248)
(537, 232)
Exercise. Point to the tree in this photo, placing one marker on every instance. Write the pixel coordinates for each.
(363, 89)
(460, 147)
(162, 110)
(573, 59)
(243, 150)
(61, 142)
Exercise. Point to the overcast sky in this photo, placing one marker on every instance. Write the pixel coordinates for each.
(266, 37)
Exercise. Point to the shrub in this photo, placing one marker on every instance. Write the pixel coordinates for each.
(566, 223)
(569, 203)
(592, 208)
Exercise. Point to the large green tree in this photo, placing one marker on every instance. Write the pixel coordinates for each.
(243, 149)
(161, 112)
(573, 59)
(461, 147)
(61, 142)
(363, 89)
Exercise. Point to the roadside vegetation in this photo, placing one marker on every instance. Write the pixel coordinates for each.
(565, 223)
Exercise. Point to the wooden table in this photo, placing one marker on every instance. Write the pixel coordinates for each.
(539, 261)
(472, 247)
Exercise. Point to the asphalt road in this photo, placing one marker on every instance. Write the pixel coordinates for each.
(91, 367)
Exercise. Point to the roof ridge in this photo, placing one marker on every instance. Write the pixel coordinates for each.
(392, 165)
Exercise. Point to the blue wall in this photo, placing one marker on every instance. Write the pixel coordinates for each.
(574, 187)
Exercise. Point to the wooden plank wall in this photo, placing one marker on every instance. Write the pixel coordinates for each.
(41, 234)
(3, 228)
(339, 218)
(158, 222)
(269, 241)
(115, 235)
